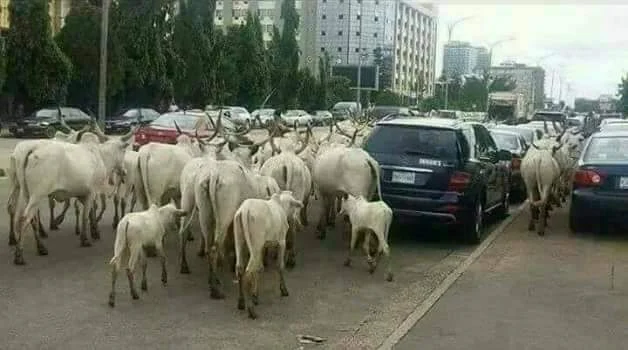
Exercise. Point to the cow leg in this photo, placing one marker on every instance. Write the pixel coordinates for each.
(133, 201)
(29, 213)
(88, 203)
(103, 207)
(116, 212)
(366, 247)
(542, 219)
(77, 214)
(144, 284)
(354, 241)
(133, 260)
(40, 226)
(183, 261)
(114, 277)
(303, 212)
(322, 223)
(281, 265)
(93, 224)
(214, 281)
(52, 204)
(291, 259)
(11, 208)
(59, 219)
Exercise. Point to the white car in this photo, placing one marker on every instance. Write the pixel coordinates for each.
(239, 115)
(301, 117)
(265, 115)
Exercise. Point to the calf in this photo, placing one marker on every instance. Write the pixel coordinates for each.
(261, 224)
(369, 218)
(136, 232)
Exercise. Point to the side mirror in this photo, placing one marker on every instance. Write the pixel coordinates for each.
(504, 155)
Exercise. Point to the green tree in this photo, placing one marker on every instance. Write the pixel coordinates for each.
(38, 72)
(339, 90)
(288, 58)
(252, 62)
(79, 39)
(308, 85)
(322, 90)
(387, 98)
(622, 105)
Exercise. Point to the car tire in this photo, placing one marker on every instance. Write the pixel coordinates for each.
(472, 228)
(50, 132)
(504, 208)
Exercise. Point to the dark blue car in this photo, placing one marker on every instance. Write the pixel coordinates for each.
(600, 185)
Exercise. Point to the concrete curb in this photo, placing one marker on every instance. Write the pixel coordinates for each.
(425, 306)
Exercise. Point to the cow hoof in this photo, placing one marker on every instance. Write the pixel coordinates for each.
(284, 292)
(134, 295)
(252, 313)
(86, 243)
(41, 250)
(185, 270)
(541, 233)
(190, 238)
(43, 234)
(531, 227)
(240, 303)
(347, 262)
(144, 286)
(54, 228)
(19, 260)
(12, 240)
(255, 299)
(372, 268)
(112, 301)
(201, 254)
(216, 294)
(291, 262)
(389, 277)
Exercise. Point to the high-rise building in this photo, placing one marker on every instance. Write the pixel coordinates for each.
(530, 81)
(462, 58)
(234, 12)
(393, 41)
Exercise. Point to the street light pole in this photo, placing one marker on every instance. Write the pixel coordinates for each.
(359, 91)
(451, 26)
(490, 62)
(102, 88)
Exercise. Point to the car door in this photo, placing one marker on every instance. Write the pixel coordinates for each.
(485, 150)
(502, 169)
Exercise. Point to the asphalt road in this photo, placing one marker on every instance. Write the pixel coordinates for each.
(59, 301)
(561, 291)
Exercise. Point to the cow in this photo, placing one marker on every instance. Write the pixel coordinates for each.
(259, 225)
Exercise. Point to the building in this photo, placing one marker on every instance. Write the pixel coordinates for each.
(57, 9)
(393, 41)
(606, 103)
(462, 58)
(530, 81)
(234, 12)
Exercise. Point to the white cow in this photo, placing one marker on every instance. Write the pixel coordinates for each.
(340, 170)
(63, 170)
(373, 220)
(125, 189)
(258, 225)
(219, 192)
(135, 232)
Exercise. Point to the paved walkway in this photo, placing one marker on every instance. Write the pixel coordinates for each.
(561, 291)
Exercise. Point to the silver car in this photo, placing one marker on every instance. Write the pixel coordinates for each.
(265, 115)
(298, 116)
(239, 115)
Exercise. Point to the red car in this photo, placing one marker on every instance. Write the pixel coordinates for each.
(163, 130)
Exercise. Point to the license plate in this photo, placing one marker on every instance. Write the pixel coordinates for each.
(623, 183)
(402, 177)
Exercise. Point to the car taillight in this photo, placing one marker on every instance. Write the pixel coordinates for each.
(459, 181)
(587, 178)
(516, 163)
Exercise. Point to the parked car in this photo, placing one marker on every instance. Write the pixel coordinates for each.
(346, 109)
(515, 143)
(600, 183)
(123, 122)
(239, 115)
(443, 169)
(379, 112)
(530, 134)
(298, 116)
(616, 126)
(265, 115)
(605, 122)
(46, 122)
(163, 130)
(541, 126)
(321, 118)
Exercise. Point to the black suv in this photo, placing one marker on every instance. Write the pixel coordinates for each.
(441, 168)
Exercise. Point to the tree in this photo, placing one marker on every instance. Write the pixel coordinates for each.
(288, 56)
(308, 85)
(339, 90)
(79, 39)
(38, 72)
(584, 105)
(622, 106)
(252, 62)
(322, 90)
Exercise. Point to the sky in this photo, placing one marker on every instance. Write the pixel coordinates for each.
(587, 44)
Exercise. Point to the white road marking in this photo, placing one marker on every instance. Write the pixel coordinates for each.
(422, 309)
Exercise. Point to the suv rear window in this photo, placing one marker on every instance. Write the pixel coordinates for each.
(428, 142)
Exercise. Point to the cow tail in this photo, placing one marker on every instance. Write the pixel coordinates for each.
(539, 186)
(143, 163)
(212, 188)
(375, 175)
(287, 177)
(238, 234)
(120, 244)
(23, 175)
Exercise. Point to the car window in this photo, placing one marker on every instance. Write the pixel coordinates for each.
(72, 114)
(505, 141)
(607, 149)
(46, 113)
(469, 135)
(485, 143)
(131, 113)
(184, 121)
(426, 142)
(149, 114)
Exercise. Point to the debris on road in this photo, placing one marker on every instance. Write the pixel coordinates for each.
(310, 339)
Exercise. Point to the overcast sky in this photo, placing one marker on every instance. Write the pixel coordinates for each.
(589, 42)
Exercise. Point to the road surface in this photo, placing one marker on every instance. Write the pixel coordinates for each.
(561, 291)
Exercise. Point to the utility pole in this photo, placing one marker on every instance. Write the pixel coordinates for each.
(451, 26)
(102, 88)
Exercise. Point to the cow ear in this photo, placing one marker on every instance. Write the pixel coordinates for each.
(232, 145)
(254, 149)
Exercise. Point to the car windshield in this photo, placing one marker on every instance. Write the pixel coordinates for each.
(446, 114)
(131, 113)
(380, 112)
(294, 113)
(429, 142)
(184, 121)
(607, 149)
(266, 112)
(505, 141)
(616, 126)
(50, 113)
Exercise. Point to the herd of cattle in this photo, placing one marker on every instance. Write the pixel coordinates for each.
(248, 200)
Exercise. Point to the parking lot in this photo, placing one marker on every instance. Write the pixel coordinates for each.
(60, 300)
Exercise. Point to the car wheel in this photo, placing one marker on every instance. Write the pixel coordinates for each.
(473, 228)
(51, 131)
(504, 208)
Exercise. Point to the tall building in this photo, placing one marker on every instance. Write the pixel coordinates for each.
(394, 41)
(461, 58)
(4, 15)
(57, 9)
(530, 81)
(234, 12)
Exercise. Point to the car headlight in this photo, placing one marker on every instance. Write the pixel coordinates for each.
(44, 124)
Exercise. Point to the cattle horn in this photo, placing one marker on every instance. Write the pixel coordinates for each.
(62, 120)
(340, 131)
(128, 135)
(534, 145)
(176, 126)
(355, 133)
(560, 136)
(545, 127)
(101, 135)
(305, 143)
(217, 128)
(276, 150)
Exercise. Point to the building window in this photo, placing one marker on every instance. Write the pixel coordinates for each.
(323, 33)
(339, 49)
(376, 18)
(357, 33)
(322, 49)
(357, 49)
(341, 16)
(341, 1)
(358, 17)
(340, 33)
(374, 35)
(324, 16)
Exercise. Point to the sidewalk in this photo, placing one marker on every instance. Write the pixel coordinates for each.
(561, 291)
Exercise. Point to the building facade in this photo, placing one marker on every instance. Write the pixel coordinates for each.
(234, 12)
(395, 39)
(57, 9)
(530, 81)
(462, 58)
